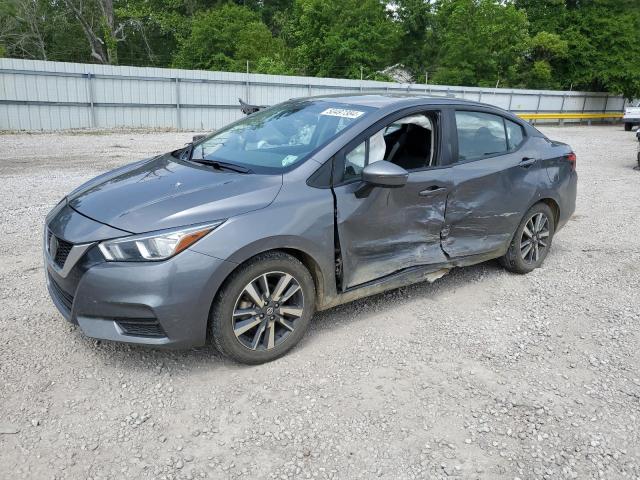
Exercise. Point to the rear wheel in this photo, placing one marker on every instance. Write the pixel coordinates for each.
(532, 240)
(263, 309)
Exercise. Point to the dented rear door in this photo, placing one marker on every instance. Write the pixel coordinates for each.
(489, 198)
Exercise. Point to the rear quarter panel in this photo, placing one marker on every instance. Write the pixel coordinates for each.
(563, 180)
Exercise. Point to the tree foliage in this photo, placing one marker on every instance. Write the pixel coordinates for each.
(330, 38)
(481, 52)
(36, 29)
(225, 39)
(557, 44)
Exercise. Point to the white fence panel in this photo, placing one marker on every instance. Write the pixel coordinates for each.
(38, 95)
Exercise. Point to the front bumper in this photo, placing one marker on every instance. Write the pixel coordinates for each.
(155, 303)
(165, 303)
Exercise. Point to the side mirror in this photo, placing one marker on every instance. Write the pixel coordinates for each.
(384, 174)
(197, 138)
(381, 174)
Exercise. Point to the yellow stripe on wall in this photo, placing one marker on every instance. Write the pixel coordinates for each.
(563, 116)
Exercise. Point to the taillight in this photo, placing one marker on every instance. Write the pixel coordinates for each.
(571, 157)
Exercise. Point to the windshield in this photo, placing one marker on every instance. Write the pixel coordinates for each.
(274, 139)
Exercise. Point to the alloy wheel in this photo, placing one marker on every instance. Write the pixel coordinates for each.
(267, 310)
(535, 238)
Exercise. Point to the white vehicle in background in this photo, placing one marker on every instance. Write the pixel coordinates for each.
(631, 115)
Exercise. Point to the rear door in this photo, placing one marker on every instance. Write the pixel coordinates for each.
(497, 175)
(390, 229)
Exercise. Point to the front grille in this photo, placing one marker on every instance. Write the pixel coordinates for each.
(65, 298)
(141, 328)
(62, 252)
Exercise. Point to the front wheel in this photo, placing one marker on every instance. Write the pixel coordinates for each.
(263, 309)
(628, 127)
(532, 240)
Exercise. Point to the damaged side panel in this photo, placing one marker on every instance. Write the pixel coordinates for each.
(391, 229)
(458, 213)
(486, 204)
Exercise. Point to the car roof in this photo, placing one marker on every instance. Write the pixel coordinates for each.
(381, 100)
(390, 102)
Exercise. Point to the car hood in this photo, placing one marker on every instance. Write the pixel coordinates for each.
(163, 192)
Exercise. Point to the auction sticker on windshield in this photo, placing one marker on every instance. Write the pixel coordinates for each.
(341, 112)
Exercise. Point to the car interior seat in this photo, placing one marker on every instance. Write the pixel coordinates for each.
(412, 149)
(485, 142)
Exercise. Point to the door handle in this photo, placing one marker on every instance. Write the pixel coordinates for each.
(432, 190)
(526, 162)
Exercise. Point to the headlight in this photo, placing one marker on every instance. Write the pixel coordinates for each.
(154, 246)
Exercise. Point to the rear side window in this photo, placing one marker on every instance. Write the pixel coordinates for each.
(480, 135)
(515, 134)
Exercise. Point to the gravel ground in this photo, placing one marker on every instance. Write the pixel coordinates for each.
(483, 374)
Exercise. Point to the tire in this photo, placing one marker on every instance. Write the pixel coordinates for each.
(639, 160)
(627, 127)
(267, 331)
(520, 260)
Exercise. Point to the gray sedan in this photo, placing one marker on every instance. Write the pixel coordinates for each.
(242, 235)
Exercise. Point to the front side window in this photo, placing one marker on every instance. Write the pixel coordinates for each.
(408, 142)
(278, 137)
(355, 161)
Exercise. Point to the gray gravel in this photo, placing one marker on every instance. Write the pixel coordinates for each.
(483, 374)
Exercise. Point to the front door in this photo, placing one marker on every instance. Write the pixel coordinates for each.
(385, 230)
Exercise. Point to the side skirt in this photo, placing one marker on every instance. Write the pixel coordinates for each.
(403, 278)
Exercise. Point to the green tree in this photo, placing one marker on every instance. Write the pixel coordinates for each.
(39, 29)
(482, 42)
(104, 30)
(545, 15)
(272, 12)
(603, 38)
(546, 52)
(331, 38)
(587, 44)
(417, 49)
(225, 38)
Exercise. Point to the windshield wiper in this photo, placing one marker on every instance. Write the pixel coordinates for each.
(223, 165)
